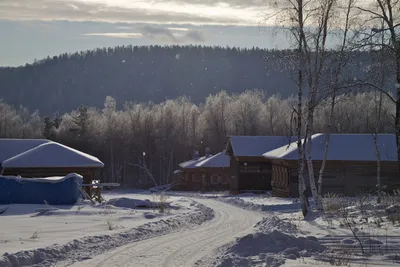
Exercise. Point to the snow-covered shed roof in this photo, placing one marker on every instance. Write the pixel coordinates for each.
(256, 146)
(12, 147)
(191, 164)
(52, 155)
(220, 160)
(343, 147)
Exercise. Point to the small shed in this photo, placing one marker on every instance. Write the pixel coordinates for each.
(45, 158)
(250, 171)
(208, 173)
(351, 165)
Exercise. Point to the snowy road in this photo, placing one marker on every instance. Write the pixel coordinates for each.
(186, 247)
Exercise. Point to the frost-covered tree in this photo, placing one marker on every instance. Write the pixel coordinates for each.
(247, 109)
(380, 29)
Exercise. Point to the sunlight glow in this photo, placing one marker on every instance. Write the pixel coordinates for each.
(116, 34)
(247, 16)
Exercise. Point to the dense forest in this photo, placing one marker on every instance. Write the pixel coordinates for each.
(170, 131)
(151, 73)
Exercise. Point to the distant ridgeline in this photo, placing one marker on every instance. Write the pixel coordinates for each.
(155, 73)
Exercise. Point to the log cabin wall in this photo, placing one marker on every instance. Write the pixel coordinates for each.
(206, 179)
(340, 177)
(234, 172)
(280, 180)
(254, 173)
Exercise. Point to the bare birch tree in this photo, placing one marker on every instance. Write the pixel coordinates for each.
(316, 54)
(388, 12)
(291, 15)
(342, 60)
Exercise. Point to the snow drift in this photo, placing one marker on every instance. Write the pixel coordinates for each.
(90, 246)
(273, 242)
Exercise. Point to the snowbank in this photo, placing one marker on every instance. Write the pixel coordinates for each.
(273, 243)
(131, 203)
(262, 203)
(275, 223)
(86, 247)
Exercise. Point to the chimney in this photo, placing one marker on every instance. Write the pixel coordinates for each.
(196, 154)
(207, 152)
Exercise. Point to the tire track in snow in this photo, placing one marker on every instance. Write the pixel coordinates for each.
(186, 247)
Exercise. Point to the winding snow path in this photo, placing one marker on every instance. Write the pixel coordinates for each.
(186, 247)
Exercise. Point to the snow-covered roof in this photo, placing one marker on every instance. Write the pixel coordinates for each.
(52, 155)
(256, 146)
(349, 147)
(220, 160)
(191, 164)
(12, 147)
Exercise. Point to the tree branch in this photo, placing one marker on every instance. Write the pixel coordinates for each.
(372, 85)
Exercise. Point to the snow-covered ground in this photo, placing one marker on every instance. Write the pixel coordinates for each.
(187, 247)
(213, 229)
(29, 236)
(283, 238)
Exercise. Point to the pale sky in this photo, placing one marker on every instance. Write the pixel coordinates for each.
(40, 28)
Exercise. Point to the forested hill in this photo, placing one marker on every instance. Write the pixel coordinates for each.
(143, 74)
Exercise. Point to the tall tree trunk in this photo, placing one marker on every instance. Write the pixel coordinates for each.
(313, 186)
(112, 161)
(378, 167)
(327, 139)
(378, 108)
(302, 185)
(341, 64)
(397, 117)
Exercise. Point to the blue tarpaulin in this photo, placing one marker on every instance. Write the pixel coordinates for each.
(53, 190)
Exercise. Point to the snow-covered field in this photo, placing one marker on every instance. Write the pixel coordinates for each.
(197, 246)
(69, 228)
(283, 238)
(213, 229)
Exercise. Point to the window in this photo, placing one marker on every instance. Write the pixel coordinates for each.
(195, 178)
(214, 179)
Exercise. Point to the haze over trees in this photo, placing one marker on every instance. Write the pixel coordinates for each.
(169, 132)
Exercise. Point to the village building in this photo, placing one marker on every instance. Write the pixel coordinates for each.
(351, 164)
(249, 170)
(208, 173)
(43, 158)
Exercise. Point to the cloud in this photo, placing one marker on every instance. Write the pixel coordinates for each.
(178, 29)
(115, 34)
(123, 28)
(168, 34)
(196, 12)
(195, 36)
(74, 7)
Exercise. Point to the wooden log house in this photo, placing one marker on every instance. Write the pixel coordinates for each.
(44, 158)
(250, 171)
(207, 173)
(351, 166)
